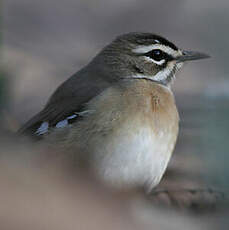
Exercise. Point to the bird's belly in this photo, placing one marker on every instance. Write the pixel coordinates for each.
(134, 157)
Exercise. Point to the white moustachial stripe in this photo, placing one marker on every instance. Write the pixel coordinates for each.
(160, 76)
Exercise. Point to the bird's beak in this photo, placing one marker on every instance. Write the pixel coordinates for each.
(190, 56)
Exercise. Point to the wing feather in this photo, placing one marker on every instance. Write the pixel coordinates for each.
(68, 99)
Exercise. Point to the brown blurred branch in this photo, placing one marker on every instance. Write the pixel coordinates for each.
(198, 200)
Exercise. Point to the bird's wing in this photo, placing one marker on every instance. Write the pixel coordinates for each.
(66, 104)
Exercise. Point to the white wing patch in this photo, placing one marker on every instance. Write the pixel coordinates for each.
(62, 124)
(42, 129)
(72, 116)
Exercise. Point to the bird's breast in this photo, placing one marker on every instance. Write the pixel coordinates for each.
(141, 137)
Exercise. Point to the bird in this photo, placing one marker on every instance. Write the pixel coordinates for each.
(118, 113)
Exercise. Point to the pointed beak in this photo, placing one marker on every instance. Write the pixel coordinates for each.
(190, 56)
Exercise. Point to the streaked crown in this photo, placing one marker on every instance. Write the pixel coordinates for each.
(144, 55)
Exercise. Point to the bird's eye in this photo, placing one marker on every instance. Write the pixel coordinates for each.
(156, 55)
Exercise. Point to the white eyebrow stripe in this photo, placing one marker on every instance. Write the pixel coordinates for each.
(146, 49)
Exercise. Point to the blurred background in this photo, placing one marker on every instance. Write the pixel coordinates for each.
(44, 42)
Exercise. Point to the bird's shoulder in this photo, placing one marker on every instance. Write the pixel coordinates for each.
(66, 104)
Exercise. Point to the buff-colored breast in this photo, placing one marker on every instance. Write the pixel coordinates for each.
(130, 133)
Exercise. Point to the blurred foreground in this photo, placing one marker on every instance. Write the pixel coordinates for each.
(40, 192)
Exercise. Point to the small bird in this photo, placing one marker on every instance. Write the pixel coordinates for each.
(118, 113)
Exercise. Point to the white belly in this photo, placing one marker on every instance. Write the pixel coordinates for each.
(134, 158)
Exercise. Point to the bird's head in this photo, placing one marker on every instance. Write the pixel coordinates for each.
(145, 55)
